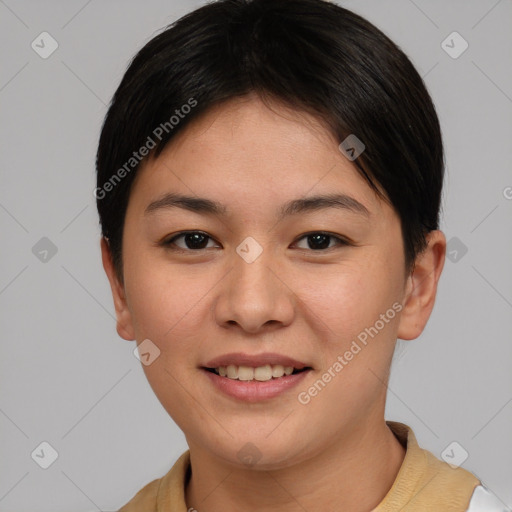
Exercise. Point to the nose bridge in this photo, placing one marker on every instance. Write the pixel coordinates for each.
(252, 294)
(255, 279)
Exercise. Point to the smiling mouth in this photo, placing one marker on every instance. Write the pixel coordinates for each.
(261, 373)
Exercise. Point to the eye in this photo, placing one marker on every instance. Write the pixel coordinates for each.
(193, 240)
(198, 240)
(320, 240)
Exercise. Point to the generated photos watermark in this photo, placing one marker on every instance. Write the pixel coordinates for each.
(144, 150)
(304, 397)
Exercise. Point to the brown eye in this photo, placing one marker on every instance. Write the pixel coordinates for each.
(192, 240)
(320, 240)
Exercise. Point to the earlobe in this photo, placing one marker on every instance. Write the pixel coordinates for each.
(421, 287)
(124, 321)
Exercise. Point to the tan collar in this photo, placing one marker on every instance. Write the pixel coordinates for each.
(425, 482)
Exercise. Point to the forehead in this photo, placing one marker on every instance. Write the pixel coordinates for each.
(254, 126)
(247, 153)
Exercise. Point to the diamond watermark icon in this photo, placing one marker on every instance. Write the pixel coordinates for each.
(454, 454)
(44, 250)
(454, 45)
(44, 455)
(455, 249)
(249, 454)
(249, 249)
(146, 352)
(44, 45)
(352, 147)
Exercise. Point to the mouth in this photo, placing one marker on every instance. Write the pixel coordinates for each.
(255, 377)
(263, 373)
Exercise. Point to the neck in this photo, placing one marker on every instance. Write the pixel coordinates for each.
(355, 474)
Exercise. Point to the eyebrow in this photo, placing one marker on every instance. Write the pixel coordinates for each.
(208, 207)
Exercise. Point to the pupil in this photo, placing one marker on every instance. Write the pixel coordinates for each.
(195, 240)
(322, 238)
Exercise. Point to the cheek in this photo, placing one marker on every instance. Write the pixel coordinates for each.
(353, 306)
(346, 297)
(166, 304)
(169, 308)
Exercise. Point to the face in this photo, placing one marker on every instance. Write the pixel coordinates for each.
(257, 282)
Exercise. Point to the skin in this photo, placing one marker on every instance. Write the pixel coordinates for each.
(336, 452)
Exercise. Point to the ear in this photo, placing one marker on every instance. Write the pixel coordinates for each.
(421, 287)
(124, 319)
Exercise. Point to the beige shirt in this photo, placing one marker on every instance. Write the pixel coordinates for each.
(424, 483)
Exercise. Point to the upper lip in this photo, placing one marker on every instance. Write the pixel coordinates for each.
(241, 359)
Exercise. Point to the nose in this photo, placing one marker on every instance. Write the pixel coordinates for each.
(254, 295)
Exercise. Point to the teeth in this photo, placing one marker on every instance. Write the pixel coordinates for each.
(261, 373)
(245, 373)
(277, 370)
(232, 372)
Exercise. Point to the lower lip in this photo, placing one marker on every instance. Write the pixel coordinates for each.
(254, 390)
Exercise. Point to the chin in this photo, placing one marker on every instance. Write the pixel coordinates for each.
(262, 453)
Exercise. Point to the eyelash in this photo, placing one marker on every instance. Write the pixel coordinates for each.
(340, 242)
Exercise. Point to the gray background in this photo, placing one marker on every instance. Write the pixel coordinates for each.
(69, 380)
